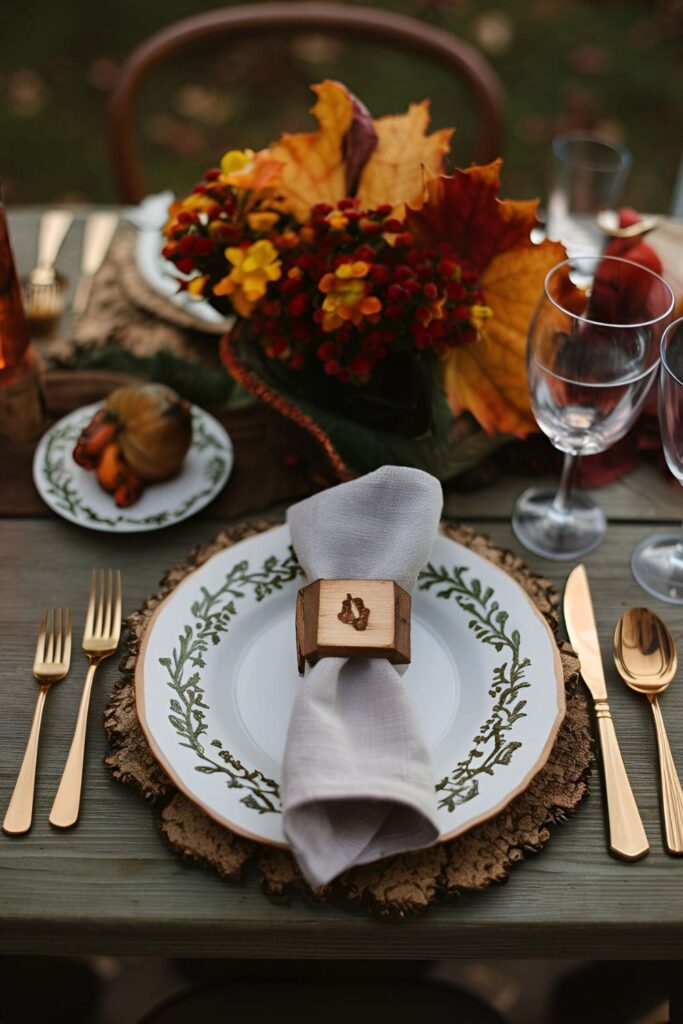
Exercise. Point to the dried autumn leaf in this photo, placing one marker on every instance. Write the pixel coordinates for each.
(395, 170)
(488, 377)
(463, 208)
(313, 162)
(381, 161)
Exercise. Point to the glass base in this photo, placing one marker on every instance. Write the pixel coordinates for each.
(657, 564)
(559, 535)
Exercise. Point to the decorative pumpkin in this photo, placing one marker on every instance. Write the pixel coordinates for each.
(141, 434)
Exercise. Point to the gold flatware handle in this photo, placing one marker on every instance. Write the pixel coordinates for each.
(97, 236)
(54, 226)
(672, 794)
(67, 802)
(627, 838)
(20, 811)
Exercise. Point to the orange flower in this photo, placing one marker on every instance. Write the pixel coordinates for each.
(250, 171)
(346, 296)
(262, 220)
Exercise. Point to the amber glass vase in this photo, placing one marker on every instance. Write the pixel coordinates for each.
(14, 336)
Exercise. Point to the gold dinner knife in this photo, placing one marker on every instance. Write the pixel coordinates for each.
(627, 838)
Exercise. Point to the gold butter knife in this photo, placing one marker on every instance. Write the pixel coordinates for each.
(627, 838)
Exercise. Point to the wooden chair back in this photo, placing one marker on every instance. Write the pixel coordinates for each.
(237, 23)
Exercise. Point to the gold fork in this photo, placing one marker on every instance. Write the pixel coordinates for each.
(50, 664)
(100, 640)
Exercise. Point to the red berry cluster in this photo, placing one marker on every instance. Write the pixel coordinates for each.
(395, 294)
(203, 224)
(424, 294)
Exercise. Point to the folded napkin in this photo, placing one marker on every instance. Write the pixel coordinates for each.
(357, 778)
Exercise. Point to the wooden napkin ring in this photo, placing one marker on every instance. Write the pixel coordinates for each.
(352, 619)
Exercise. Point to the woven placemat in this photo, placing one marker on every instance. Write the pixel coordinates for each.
(397, 885)
(123, 310)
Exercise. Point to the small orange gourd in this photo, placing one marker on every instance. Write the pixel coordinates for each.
(155, 428)
(141, 434)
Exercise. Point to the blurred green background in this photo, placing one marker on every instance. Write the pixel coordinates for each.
(610, 65)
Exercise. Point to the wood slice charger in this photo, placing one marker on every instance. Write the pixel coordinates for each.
(397, 885)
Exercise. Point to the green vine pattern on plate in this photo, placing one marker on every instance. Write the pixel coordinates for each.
(213, 613)
(492, 744)
(57, 471)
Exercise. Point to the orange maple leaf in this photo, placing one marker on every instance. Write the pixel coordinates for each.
(395, 169)
(488, 377)
(313, 162)
(394, 151)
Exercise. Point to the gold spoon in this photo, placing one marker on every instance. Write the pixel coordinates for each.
(645, 656)
(608, 222)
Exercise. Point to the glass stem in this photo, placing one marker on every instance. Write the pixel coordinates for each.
(677, 553)
(564, 491)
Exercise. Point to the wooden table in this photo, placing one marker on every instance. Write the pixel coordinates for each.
(110, 885)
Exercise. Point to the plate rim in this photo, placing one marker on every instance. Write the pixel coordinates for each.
(239, 830)
(105, 528)
(211, 322)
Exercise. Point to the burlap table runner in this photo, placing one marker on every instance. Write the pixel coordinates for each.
(124, 311)
(397, 885)
(275, 460)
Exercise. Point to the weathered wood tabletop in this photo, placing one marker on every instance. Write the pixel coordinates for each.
(110, 885)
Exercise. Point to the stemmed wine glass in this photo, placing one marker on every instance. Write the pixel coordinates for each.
(592, 355)
(657, 562)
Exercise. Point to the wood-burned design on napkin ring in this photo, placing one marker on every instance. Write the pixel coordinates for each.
(322, 630)
(349, 617)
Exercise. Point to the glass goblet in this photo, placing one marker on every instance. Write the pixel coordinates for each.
(589, 172)
(657, 562)
(592, 355)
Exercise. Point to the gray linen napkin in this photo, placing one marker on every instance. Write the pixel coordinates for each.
(357, 778)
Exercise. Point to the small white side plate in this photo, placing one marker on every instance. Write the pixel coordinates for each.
(74, 493)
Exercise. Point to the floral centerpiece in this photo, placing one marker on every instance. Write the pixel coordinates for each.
(379, 302)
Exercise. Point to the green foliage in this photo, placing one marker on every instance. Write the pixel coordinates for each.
(447, 447)
(212, 615)
(204, 385)
(488, 621)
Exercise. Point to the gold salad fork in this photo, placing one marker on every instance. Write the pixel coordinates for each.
(51, 663)
(100, 640)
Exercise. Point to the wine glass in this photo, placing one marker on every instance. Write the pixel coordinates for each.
(657, 562)
(592, 355)
(589, 173)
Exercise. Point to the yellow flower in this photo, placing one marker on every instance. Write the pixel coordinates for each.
(253, 172)
(479, 315)
(262, 221)
(252, 269)
(357, 269)
(236, 160)
(197, 285)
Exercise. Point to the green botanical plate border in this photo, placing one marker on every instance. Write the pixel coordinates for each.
(493, 744)
(54, 476)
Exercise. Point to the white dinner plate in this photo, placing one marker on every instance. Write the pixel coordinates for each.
(74, 493)
(160, 274)
(216, 680)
